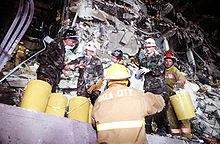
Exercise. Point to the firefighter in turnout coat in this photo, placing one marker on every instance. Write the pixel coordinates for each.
(119, 111)
(175, 80)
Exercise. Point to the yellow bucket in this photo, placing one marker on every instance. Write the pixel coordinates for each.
(36, 95)
(90, 113)
(182, 106)
(57, 104)
(79, 108)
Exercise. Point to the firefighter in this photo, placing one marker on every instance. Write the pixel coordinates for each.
(152, 67)
(20, 53)
(119, 111)
(52, 59)
(174, 81)
(90, 71)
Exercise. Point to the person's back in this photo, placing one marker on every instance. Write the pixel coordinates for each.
(119, 114)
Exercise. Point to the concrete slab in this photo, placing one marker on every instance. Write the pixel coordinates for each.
(22, 126)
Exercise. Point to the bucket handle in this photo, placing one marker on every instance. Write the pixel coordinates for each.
(57, 107)
(77, 107)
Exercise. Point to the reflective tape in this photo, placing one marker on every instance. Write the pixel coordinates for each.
(186, 130)
(121, 124)
(175, 130)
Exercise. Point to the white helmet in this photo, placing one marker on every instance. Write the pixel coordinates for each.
(149, 42)
(92, 46)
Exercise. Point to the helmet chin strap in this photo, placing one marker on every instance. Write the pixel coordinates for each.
(122, 82)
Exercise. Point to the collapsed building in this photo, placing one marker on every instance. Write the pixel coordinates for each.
(125, 25)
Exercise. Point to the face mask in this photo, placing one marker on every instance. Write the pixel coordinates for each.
(68, 47)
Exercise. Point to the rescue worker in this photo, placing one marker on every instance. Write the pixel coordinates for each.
(174, 81)
(20, 53)
(116, 56)
(52, 59)
(90, 71)
(152, 67)
(119, 111)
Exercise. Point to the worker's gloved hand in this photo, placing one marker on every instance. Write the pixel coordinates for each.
(178, 85)
(72, 67)
(144, 70)
(138, 75)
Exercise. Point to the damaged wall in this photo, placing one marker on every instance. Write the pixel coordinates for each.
(125, 25)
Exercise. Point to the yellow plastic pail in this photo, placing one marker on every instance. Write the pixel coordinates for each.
(79, 108)
(182, 106)
(36, 95)
(57, 104)
(90, 113)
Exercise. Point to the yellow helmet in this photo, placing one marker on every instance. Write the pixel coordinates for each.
(117, 72)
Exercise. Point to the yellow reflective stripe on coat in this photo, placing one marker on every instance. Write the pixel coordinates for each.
(121, 124)
(173, 131)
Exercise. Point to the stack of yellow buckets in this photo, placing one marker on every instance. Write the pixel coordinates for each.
(38, 97)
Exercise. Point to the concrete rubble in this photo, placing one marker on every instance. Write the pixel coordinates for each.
(125, 25)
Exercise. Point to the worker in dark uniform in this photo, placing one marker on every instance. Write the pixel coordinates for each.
(116, 56)
(90, 71)
(152, 67)
(52, 59)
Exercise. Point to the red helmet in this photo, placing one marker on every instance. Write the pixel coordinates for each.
(169, 55)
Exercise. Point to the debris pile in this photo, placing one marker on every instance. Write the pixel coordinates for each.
(125, 25)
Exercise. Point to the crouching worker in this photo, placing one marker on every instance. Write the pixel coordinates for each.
(119, 111)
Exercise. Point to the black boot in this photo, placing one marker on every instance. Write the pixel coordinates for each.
(148, 127)
(162, 124)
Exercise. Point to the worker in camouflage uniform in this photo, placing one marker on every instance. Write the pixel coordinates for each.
(90, 71)
(174, 81)
(152, 67)
(52, 59)
(119, 111)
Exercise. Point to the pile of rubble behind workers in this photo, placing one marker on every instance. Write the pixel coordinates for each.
(125, 25)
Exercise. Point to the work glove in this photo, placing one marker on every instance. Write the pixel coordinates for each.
(177, 86)
(144, 70)
(138, 75)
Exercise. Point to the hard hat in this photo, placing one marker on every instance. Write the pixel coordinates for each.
(150, 42)
(117, 72)
(71, 34)
(169, 55)
(117, 53)
(92, 46)
(21, 42)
